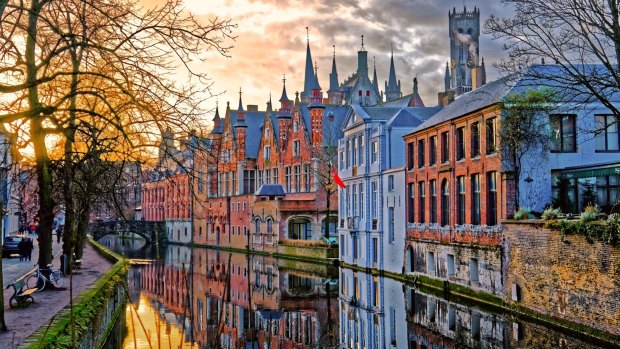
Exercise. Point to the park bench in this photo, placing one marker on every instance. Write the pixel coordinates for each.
(22, 295)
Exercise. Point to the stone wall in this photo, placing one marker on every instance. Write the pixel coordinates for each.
(569, 279)
(432, 259)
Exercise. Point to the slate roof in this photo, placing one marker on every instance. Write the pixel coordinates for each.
(270, 190)
(406, 101)
(254, 122)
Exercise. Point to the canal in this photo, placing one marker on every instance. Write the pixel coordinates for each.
(182, 297)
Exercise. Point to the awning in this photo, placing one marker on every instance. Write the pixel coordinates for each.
(588, 172)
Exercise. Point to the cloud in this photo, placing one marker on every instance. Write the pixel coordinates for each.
(271, 41)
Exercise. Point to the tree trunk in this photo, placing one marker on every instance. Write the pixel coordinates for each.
(81, 232)
(615, 13)
(329, 194)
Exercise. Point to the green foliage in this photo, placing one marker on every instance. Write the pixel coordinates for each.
(551, 213)
(524, 213)
(591, 213)
(607, 232)
(588, 194)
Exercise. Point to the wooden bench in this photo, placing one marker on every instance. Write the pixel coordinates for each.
(21, 297)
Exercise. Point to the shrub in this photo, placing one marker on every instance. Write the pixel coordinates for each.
(607, 232)
(591, 213)
(551, 213)
(524, 213)
(303, 243)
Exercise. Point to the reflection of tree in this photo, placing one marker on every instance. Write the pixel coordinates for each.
(329, 333)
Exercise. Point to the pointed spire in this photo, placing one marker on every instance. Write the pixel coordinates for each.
(375, 81)
(284, 96)
(415, 92)
(333, 77)
(392, 83)
(217, 112)
(269, 109)
(240, 103)
(309, 77)
(316, 77)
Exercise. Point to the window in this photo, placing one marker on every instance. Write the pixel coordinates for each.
(360, 93)
(391, 183)
(354, 246)
(563, 136)
(287, 179)
(393, 326)
(234, 182)
(375, 251)
(609, 138)
(295, 126)
(375, 291)
(450, 262)
(421, 202)
(267, 152)
(296, 148)
(411, 203)
(433, 190)
(391, 224)
(307, 184)
(475, 199)
(491, 198)
(342, 160)
(420, 153)
(367, 93)
(608, 191)
(360, 149)
(200, 180)
(347, 153)
(354, 200)
(491, 138)
(257, 226)
(375, 151)
(460, 143)
(475, 139)
(432, 152)
(297, 178)
(445, 147)
(409, 156)
(445, 203)
(461, 200)
(473, 269)
(269, 226)
(430, 262)
(354, 151)
(475, 326)
(374, 200)
(361, 195)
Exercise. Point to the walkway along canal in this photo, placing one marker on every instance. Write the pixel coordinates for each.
(197, 297)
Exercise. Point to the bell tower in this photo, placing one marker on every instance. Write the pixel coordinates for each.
(464, 29)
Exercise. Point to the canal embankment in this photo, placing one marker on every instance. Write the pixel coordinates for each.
(99, 300)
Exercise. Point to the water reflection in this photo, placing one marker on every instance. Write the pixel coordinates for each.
(203, 298)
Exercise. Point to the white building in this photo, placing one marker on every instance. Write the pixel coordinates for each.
(371, 224)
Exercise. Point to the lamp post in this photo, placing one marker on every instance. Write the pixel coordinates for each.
(3, 194)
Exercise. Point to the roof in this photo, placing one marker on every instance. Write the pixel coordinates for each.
(270, 190)
(406, 101)
(482, 97)
(254, 122)
(333, 120)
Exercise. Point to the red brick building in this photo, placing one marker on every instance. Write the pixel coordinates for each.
(456, 186)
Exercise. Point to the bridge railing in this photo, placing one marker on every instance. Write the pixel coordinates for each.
(150, 230)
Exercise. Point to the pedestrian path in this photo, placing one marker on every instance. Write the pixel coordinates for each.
(22, 322)
(13, 268)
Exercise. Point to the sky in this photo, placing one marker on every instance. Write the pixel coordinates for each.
(271, 42)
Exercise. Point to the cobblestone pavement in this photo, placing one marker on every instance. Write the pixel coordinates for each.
(13, 268)
(22, 322)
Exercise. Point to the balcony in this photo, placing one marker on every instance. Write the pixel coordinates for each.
(464, 234)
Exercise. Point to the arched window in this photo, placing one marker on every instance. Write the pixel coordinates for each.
(257, 226)
(445, 203)
(269, 226)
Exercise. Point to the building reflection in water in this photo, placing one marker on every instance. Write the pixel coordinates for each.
(217, 299)
(203, 298)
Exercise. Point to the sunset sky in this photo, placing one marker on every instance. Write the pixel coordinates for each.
(271, 41)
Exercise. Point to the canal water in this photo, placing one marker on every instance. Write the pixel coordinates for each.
(183, 297)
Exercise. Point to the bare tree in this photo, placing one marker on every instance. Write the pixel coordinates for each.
(61, 58)
(581, 38)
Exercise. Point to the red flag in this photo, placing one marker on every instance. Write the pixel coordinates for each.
(337, 179)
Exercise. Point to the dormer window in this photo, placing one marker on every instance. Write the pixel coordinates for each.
(295, 126)
(367, 93)
(267, 132)
(360, 93)
(330, 117)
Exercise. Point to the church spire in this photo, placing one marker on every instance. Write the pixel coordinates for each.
(240, 103)
(217, 118)
(375, 81)
(310, 80)
(392, 86)
(284, 96)
(333, 77)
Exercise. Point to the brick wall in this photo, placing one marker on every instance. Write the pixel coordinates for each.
(572, 280)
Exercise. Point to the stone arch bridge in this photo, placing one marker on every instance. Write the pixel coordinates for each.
(150, 231)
